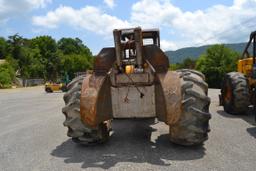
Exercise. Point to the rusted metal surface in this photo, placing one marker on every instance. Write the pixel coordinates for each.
(152, 34)
(95, 105)
(110, 92)
(132, 78)
(157, 58)
(252, 82)
(145, 79)
(104, 61)
(251, 42)
(100, 102)
(138, 43)
(169, 98)
(127, 102)
(118, 50)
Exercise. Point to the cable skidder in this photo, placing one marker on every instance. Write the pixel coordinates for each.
(238, 88)
(132, 80)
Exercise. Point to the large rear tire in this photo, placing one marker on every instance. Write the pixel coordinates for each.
(79, 132)
(235, 93)
(193, 125)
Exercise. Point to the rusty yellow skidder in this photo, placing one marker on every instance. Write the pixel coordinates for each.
(238, 88)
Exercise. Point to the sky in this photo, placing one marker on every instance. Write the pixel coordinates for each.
(182, 23)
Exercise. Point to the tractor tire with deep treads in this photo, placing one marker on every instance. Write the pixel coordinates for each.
(193, 125)
(235, 93)
(79, 132)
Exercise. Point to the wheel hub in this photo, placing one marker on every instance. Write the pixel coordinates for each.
(228, 94)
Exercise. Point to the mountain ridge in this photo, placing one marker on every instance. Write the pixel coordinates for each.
(179, 55)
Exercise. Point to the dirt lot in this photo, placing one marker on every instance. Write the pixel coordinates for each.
(32, 137)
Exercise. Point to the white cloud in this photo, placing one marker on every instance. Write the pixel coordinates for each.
(215, 24)
(39, 3)
(218, 23)
(12, 8)
(168, 45)
(89, 18)
(153, 13)
(110, 3)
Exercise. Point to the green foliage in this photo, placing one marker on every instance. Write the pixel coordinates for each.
(36, 68)
(75, 63)
(75, 56)
(5, 80)
(43, 57)
(7, 75)
(217, 61)
(15, 46)
(73, 46)
(46, 47)
(3, 48)
(174, 67)
(188, 63)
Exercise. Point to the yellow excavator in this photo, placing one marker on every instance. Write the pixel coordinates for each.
(238, 88)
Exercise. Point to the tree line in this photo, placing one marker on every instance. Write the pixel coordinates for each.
(42, 57)
(214, 63)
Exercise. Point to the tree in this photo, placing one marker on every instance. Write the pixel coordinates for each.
(75, 63)
(188, 63)
(7, 75)
(36, 68)
(3, 48)
(69, 46)
(75, 56)
(217, 61)
(17, 54)
(43, 57)
(73, 46)
(15, 44)
(174, 67)
(47, 47)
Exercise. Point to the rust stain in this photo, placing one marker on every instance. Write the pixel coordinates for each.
(172, 91)
(88, 99)
(156, 58)
(93, 96)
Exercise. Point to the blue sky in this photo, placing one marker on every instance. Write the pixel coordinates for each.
(182, 23)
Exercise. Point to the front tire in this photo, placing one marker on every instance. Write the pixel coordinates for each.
(235, 93)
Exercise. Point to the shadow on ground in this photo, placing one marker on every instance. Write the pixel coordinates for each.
(252, 131)
(129, 143)
(249, 118)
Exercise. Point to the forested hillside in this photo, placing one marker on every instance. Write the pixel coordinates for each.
(180, 55)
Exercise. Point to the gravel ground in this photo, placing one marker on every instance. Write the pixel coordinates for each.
(32, 137)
